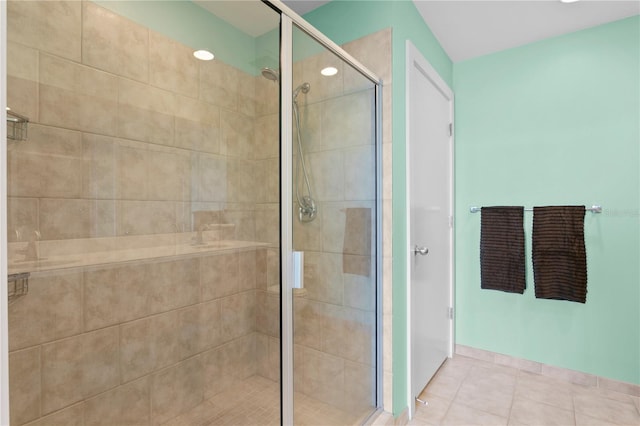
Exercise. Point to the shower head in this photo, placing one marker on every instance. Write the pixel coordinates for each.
(270, 74)
(304, 88)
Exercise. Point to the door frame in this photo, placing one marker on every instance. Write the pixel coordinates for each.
(414, 58)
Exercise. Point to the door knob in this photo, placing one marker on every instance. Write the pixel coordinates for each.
(420, 251)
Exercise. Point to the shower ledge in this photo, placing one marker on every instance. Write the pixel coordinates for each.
(89, 252)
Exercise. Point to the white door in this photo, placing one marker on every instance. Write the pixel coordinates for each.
(429, 192)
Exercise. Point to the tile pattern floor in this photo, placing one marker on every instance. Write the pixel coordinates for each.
(466, 391)
(256, 401)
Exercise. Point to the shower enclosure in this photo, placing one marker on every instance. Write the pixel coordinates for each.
(154, 206)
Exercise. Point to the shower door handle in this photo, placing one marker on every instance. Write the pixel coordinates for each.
(422, 251)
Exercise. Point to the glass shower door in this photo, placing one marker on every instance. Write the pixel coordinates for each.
(334, 226)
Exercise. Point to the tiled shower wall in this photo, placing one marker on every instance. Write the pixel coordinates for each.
(131, 136)
(129, 133)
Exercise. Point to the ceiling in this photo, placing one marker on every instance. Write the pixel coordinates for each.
(465, 29)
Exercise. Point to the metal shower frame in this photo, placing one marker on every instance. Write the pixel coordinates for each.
(288, 19)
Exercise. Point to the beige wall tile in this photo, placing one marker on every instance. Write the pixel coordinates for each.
(174, 284)
(172, 65)
(324, 377)
(100, 164)
(311, 128)
(226, 364)
(387, 178)
(53, 141)
(113, 43)
(273, 267)
(116, 294)
(54, 27)
(238, 314)
(268, 313)
(348, 333)
(48, 166)
(323, 277)
(240, 181)
(52, 310)
(24, 385)
(200, 328)
(211, 183)
(267, 222)
(247, 270)
(309, 317)
(101, 366)
(267, 96)
(387, 113)
(22, 62)
(237, 131)
(246, 94)
(359, 389)
(268, 357)
(148, 345)
(22, 216)
(169, 175)
(22, 98)
(79, 367)
(176, 390)
(360, 173)
(327, 175)
(64, 218)
(145, 125)
(131, 172)
(90, 96)
(261, 269)
(267, 137)
(145, 97)
(124, 405)
(219, 275)
(71, 416)
(360, 291)
(22, 80)
(146, 217)
(244, 227)
(38, 175)
(197, 125)
(374, 52)
(349, 120)
(219, 84)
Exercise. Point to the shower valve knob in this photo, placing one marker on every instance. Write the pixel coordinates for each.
(420, 251)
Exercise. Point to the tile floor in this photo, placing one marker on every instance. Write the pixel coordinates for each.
(256, 401)
(466, 391)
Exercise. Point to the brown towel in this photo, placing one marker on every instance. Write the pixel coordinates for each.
(502, 249)
(559, 255)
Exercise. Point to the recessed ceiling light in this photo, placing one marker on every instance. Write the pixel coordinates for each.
(329, 71)
(203, 55)
(569, 1)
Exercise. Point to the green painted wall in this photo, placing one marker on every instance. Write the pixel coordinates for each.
(344, 21)
(555, 122)
(194, 26)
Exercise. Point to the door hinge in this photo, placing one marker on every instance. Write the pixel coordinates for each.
(450, 129)
(450, 312)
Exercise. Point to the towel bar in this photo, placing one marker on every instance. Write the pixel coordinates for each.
(593, 209)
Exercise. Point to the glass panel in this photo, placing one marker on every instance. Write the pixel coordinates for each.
(144, 204)
(334, 198)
